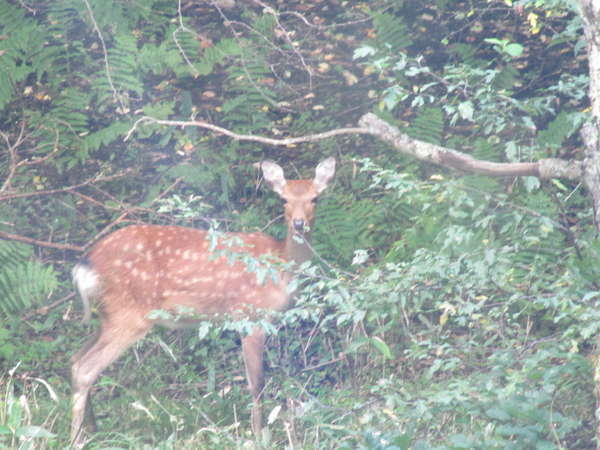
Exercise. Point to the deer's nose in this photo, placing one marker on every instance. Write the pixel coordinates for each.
(298, 224)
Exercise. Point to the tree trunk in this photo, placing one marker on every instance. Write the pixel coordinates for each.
(590, 15)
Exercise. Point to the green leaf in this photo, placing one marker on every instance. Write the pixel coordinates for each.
(466, 110)
(33, 431)
(365, 50)
(383, 348)
(514, 49)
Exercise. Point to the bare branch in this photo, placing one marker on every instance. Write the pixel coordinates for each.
(122, 217)
(286, 34)
(12, 151)
(43, 310)
(184, 29)
(65, 189)
(27, 240)
(546, 168)
(245, 137)
(373, 125)
(228, 24)
(116, 95)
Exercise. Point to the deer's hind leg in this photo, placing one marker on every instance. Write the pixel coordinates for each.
(115, 336)
(253, 348)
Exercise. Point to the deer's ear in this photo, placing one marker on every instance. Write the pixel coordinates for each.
(324, 174)
(273, 174)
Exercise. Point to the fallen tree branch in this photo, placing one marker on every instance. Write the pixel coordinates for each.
(544, 168)
(371, 124)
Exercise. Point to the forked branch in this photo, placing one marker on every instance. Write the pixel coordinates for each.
(371, 124)
(424, 151)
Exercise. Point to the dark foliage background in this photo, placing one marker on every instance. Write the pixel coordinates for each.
(445, 310)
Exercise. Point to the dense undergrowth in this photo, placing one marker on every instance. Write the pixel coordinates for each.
(443, 311)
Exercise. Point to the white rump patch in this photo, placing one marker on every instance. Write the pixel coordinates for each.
(87, 282)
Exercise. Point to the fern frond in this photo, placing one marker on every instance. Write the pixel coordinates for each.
(67, 111)
(124, 65)
(486, 150)
(428, 125)
(20, 50)
(24, 281)
(506, 78)
(561, 128)
(106, 136)
(392, 32)
(345, 224)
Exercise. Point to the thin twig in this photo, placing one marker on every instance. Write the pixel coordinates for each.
(244, 66)
(129, 211)
(65, 189)
(185, 29)
(43, 310)
(116, 95)
(268, 9)
(27, 240)
(14, 163)
(12, 150)
(326, 363)
(247, 137)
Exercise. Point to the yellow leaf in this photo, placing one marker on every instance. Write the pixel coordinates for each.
(349, 77)
(574, 346)
(368, 70)
(449, 309)
(323, 67)
(534, 24)
(444, 318)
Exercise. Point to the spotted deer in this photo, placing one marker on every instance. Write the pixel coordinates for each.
(144, 268)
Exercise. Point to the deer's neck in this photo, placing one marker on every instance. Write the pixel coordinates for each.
(296, 248)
